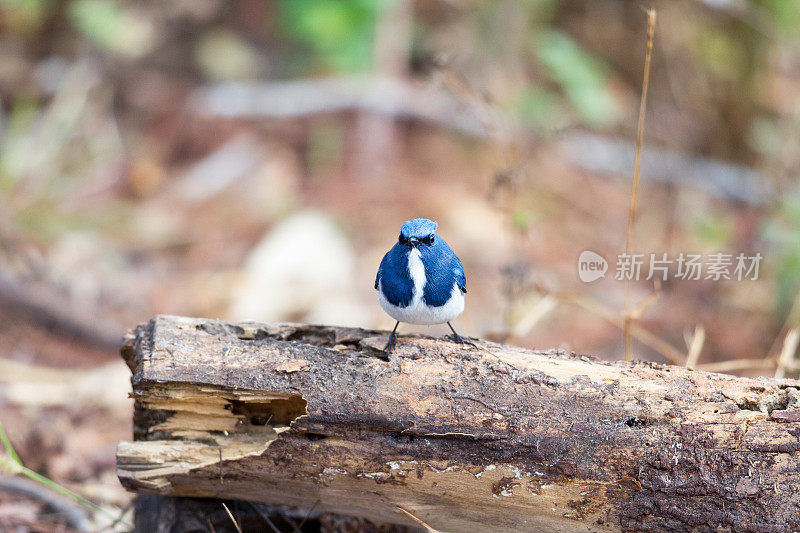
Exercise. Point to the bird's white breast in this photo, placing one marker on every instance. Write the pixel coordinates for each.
(417, 311)
(417, 272)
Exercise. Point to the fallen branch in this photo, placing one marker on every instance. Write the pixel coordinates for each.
(75, 515)
(42, 307)
(399, 99)
(303, 98)
(462, 439)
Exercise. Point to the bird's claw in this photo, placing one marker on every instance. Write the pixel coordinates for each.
(461, 340)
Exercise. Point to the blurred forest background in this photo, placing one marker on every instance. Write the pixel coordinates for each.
(254, 160)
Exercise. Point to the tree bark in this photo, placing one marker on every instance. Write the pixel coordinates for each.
(461, 438)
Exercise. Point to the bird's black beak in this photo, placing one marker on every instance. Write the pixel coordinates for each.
(413, 241)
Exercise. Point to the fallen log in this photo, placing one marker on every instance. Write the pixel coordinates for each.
(460, 438)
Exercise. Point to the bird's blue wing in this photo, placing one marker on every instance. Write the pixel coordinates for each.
(442, 269)
(461, 278)
(393, 278)
(380, 271)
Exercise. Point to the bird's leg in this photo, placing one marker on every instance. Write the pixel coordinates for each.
(392, 340)
(459, 339)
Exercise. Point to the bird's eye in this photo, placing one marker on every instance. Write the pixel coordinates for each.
(428, 239)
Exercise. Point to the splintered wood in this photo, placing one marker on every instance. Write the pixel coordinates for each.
(460, 438)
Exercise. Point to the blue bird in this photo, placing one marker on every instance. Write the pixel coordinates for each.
(421, 280)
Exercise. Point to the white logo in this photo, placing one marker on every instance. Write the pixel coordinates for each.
(591, 266)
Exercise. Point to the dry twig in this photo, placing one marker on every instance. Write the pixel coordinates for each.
(696, 346)
(787, 353)
(230, 515)
(651, 26)
(417, 520)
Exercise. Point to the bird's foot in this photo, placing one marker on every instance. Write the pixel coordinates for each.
(461, 340)
(390, 345)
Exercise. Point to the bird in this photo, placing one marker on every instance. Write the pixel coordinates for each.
(421, 280)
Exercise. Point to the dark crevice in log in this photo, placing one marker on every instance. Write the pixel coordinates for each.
(160, 514)
(278, 412)
(776, 401)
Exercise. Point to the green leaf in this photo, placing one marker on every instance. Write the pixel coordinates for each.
(109, 25)
(724, 55)
(712, 229)
(782, 232)
(786, 14)
(223, 55)
(542, 109)
(582, 76)
(15, 466)
(12, 453)
(340, 33)
(24, 16)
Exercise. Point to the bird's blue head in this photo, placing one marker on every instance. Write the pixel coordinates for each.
(418, 231)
